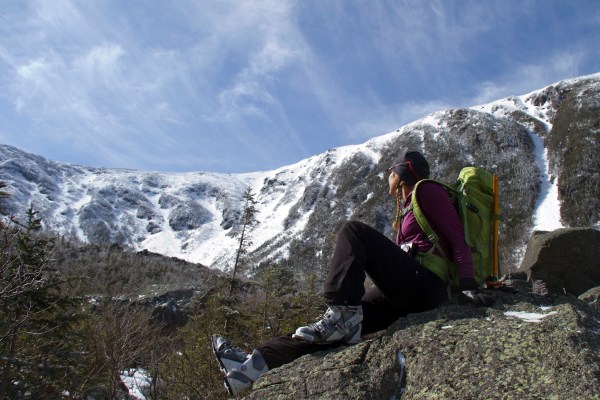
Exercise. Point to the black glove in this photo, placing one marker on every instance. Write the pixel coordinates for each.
(467, 284)
(470, 293)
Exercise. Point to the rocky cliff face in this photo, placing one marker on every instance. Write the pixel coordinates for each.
(573, 145)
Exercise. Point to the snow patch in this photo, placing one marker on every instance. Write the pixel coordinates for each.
(137, 382)
(528, 316)
(547, 209)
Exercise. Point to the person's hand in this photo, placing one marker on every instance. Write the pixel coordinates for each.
(467, 284)
(470, 293)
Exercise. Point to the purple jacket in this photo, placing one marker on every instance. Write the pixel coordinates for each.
(444, 220)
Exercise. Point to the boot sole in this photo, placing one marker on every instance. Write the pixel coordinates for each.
(217, 356)
(228, 388)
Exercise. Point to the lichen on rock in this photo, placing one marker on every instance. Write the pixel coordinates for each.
(460, 352)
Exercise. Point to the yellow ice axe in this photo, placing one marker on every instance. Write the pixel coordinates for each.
(495, 223)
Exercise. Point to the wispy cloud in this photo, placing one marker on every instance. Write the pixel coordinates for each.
(525, 78)
(201, 85)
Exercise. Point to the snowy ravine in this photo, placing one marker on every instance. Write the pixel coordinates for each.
(547, 212)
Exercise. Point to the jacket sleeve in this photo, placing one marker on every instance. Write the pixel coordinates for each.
(444, 220)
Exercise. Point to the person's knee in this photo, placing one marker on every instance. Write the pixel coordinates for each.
(351, 226)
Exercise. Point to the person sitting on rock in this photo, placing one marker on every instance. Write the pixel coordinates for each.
(402, 284)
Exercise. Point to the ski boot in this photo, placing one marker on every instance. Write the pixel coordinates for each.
(241, 379)
(229, 357)
(339, 324)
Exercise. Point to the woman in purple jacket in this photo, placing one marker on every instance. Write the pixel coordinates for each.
(402, 284)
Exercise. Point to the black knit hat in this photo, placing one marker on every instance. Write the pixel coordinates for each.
(411, 167)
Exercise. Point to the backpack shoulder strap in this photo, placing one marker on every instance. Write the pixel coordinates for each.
(422, 219)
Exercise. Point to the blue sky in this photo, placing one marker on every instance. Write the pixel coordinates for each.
(243, 86)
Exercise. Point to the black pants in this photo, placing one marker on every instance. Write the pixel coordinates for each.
(402, 286)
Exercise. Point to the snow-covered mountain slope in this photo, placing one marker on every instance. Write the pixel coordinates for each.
(191, 215)
(185, 215)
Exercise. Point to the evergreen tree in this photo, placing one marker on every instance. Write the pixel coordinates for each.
(308, 302)
(247, 222)
(274, 303)
(34, 324)
(3, 195)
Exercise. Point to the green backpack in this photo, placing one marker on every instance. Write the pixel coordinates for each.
(475, 197)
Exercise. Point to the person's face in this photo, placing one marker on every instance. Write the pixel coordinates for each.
(394, 182)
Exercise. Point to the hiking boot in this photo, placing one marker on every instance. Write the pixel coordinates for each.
(339, 324)
(229, 357)
(240, 380)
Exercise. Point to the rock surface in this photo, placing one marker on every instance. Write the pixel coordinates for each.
(565, 258)
(525, 346)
